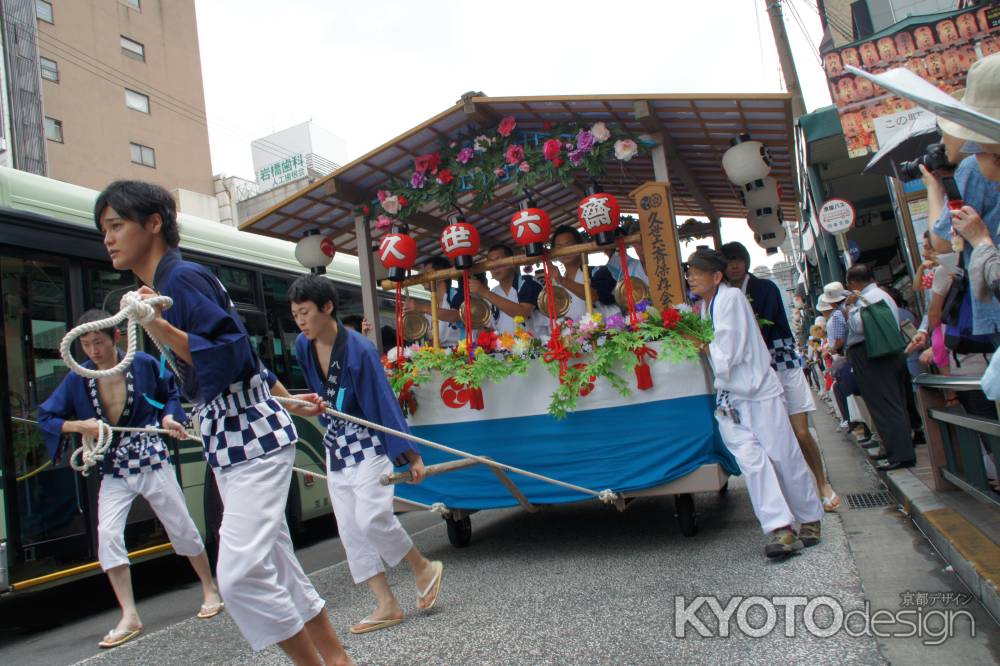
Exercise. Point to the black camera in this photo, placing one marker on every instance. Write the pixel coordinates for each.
(935, 159)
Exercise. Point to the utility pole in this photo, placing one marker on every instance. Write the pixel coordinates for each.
(785, 57)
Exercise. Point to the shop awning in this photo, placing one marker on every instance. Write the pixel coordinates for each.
(821, 124)
(695, 128)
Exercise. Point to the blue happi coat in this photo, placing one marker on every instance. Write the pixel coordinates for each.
(77, 398)
(363, 389)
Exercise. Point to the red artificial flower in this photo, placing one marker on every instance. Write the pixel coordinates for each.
(507, 126)
(445, 177)
(366, 210)
(515, 154)
(550, 149)
(487, 340)
(547, 125)
(557, 162)
(671, 317)
(402, 201)
(427, 162)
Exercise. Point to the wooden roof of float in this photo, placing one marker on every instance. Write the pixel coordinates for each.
(695, 130)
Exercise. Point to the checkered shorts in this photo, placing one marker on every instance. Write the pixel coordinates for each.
(244, 423)
(348, 444)
(135, 453)
(784, 355)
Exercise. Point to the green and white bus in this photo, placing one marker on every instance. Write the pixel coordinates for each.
(53, 267)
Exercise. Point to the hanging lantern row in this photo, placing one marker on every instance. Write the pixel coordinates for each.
(747, 163)
(315, 251)
(398, 252)
(599, 215)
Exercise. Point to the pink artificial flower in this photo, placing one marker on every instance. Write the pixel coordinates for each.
(515, 153)
(507, 126)
(382, 195)
(524, 167)
(383, 222)
(465, 155)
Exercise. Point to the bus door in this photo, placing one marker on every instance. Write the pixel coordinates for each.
(50, 507)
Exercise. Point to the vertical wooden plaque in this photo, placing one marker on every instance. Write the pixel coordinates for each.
(659, 243)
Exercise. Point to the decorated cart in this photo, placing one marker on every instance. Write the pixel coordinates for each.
(605, 404)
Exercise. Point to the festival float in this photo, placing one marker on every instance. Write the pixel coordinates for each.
(614, 405)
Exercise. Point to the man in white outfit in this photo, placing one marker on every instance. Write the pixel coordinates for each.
(751, 413)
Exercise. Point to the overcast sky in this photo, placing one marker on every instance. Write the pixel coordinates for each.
(368, 71)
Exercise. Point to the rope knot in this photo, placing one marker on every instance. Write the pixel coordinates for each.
(608, 496)
(440, 509)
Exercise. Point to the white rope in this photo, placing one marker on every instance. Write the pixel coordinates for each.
(141, 311)
(607, 496)
(93, 450)
(133, 308)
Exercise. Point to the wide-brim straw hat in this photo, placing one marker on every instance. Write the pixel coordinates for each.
(982, 94)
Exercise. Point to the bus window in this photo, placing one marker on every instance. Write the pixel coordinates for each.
(283, 332)
(239, 282)
(349, 300)
(104, 288)
(51, 503)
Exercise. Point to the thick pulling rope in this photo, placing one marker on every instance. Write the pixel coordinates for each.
(136, 311)
(92, 451)
(608, 496)
(141, 312)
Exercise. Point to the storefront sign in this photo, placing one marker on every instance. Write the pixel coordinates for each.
(281, 172)
(940, 51)
(837, 216)
(662, 251)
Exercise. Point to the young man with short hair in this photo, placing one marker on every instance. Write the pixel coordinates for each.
(515, 295)
(344, 370)
(248, 436)
(602, 291)
(136, 464)
(765, 299)
(751, 414)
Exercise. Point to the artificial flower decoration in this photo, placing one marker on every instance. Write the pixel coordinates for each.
(507, 126)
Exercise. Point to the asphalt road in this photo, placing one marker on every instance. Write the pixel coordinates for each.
(577, 584)
(571, 584)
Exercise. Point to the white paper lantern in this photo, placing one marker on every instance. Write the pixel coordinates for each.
(314, 251)
(771, 240)
(746, 162)
(764, 220)
(761, 197)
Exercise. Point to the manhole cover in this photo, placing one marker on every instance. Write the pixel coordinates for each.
(869, 500)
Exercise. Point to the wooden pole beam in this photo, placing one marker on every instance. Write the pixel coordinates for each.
(366, 270)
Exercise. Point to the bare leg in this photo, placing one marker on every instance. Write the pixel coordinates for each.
(810, 451)
(388, 607)
(301, 649)
(423, 571)
(121, 583)
(209, 592)
(325, 640)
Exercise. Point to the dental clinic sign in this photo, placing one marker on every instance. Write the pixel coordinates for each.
(283, 171)
(837, 216)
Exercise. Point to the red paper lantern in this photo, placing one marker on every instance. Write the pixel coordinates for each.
(397, 252)
(599, 215)
(531, 228)
(460, 242)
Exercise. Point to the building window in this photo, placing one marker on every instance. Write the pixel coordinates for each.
(53, 129)
(143, 155)
(133, 49)
(50, 69)
(134, 4)
(137, 101)
(43, 10)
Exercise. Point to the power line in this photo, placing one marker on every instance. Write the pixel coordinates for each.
(802, 29)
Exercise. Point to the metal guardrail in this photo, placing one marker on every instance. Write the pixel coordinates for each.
(957, 447)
